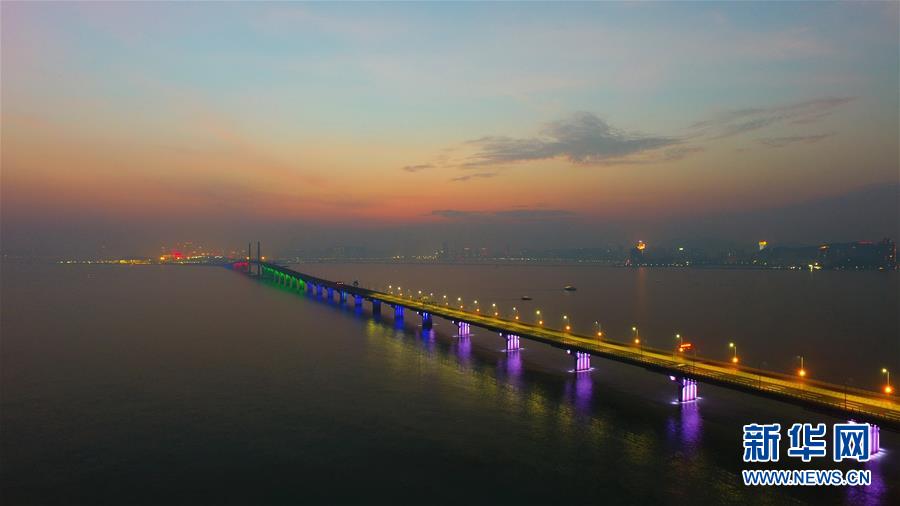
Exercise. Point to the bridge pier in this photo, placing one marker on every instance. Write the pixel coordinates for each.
(427, 322)
(357, 300)
(512, 342)
(398, 312)
(687, 388)
(330, 292)
(342, 297)
(582, 360)
(319, 290)
(464, 329)
(376, 308)
(874, 439)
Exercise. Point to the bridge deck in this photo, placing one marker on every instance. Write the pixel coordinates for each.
(833, 399)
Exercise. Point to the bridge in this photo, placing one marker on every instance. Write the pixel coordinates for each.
(684, 370)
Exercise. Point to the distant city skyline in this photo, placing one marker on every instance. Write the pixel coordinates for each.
(398, 126)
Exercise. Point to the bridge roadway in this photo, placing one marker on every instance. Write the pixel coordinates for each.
(837, 400)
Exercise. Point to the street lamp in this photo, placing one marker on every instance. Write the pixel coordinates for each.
(477, 308)
(515, 313)
(802, 371)
(680, 340)
(734, 357)
(566, 323)
(494, 306)
(888, 389)
(636, 335)
(599, 329)
(537, 316)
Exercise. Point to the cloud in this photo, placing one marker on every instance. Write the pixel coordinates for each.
(739, 121)
(477, 175)
(504, 215)
(780, 142)
(417, 168)
(582, 138)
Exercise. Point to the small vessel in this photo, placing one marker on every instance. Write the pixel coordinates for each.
(526, 297)
(569, 288)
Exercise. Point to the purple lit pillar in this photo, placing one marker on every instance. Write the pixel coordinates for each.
(582, 360)
(687, 388)
(512, 342)
(464, 329)
(874, 439)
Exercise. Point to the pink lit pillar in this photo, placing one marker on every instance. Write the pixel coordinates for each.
(687, 388)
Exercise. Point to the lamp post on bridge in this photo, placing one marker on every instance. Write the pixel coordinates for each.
(802, 371)
(637, 340)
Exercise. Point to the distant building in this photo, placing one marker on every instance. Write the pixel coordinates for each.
(858, 255)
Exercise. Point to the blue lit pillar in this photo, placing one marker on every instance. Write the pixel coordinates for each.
(330, 293)
(398, 312)
(342, 296)
(357, 300)
(376, 307)
(427, 322)
(319, 290)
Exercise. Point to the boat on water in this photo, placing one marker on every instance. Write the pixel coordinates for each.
(569, 288)
(526, 297)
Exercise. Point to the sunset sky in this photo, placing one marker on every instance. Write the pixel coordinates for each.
(125, 125)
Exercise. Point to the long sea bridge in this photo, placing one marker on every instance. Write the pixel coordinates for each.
(685, 370)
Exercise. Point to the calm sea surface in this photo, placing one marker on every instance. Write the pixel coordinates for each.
(184, 384)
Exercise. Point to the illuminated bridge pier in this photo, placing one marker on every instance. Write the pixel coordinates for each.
(687, 388)
(427, 321)
(512, 342)
(835, 400)
(874, 439)
(582, 361)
